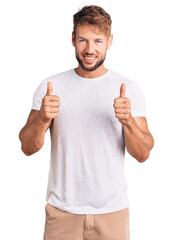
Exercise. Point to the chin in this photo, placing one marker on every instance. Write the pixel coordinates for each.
(92, 68)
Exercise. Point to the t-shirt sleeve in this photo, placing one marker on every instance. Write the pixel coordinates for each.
(137, 99)
(40, 92)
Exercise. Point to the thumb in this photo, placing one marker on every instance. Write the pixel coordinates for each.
(122, 90)
(49, 88)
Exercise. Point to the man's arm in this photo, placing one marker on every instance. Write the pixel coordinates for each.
(33, 133)
(138, 139)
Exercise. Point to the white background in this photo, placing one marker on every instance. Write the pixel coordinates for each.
(36, 43)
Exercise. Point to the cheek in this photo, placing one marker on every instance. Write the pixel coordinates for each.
(80, 49)
(102, 51)
(105, 47)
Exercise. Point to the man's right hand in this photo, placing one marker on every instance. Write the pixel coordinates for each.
(50, 105)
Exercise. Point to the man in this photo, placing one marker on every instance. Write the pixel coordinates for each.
(93, 113)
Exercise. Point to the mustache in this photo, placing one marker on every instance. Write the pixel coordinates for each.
(89, 54)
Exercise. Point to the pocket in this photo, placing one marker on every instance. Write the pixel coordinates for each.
(46, 206)
(49, 210)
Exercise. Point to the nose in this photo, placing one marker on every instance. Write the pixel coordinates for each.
(89, 48)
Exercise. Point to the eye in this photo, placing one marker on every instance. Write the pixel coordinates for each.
(82, 40)
(98, 41)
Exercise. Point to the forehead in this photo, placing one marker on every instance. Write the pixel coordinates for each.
(89, 31)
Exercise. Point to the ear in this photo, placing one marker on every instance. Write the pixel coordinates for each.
(73, 39)
(110, 39)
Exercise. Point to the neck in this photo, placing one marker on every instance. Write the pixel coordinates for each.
(93, 74)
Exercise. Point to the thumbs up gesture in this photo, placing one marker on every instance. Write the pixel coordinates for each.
(122, 106)
(50, 105)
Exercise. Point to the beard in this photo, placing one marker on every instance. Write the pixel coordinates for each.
(90, 69)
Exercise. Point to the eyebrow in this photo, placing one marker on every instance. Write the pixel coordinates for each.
(95, 38)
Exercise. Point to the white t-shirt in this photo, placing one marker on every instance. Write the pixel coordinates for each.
(86, 174)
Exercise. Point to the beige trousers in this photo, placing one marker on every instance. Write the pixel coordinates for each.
(62, 225)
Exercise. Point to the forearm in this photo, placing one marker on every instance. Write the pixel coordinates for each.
(138, 143)
(32, 135)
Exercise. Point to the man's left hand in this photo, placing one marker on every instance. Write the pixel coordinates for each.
(122, 106)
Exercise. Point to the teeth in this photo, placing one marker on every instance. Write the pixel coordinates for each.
(89, 58)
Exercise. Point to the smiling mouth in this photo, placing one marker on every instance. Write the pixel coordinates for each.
(89, 59)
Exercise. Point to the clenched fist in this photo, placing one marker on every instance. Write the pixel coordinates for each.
(50, 105)
(122, 106)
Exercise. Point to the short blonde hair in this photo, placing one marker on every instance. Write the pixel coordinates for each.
(93, 15)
